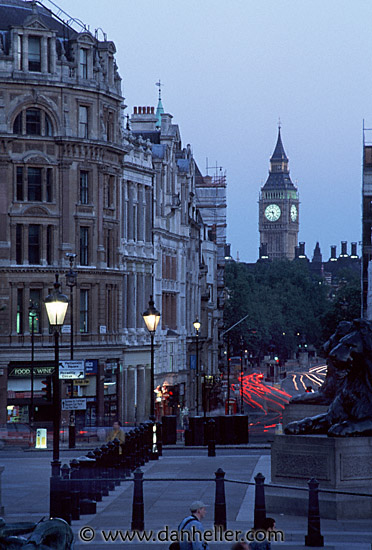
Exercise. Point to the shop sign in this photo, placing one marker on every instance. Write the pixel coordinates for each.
(74, 404)
(25, 372)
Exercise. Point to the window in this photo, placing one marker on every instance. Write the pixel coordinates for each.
(33, 122)
(83, 73)
(19, 311)
(84, 245)
(84, 189)
(83, 121)
(169, 310)
(35, 300)
(84, 303)
(34, 182)
(19, 183)
(49, 185)
(49, 245)
(19, 244)
(34, 244)
(34, 54)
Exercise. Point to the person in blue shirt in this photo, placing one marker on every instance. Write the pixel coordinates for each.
(269, 525)
(191, 523)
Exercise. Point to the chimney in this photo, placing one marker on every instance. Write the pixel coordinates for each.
(297, 252)
(354, 253)
(302, 250)
(135, 111)
(344, 253)
(152, 110)
(333, 254)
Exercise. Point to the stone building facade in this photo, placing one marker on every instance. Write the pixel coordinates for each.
(61, 165)
(119, 203)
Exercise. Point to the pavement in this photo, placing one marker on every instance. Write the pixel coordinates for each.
(25, 490)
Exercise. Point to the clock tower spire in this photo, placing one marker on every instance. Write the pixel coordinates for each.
(279, 208)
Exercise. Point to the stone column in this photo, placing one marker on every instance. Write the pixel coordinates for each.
(25, 52)
(44, 54)
(140, 306)
(131, 301)
(147, 388)
(141, 394)
(130, 396)
(124, 390)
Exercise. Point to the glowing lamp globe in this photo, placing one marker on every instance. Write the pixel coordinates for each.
(56, 305)
(151, 317)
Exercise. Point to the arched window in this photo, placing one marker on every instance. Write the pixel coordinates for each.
(33, 122)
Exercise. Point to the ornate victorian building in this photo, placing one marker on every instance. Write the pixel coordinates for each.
(278, 209)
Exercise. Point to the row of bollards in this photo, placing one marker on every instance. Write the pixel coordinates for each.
(86, 480)
(313, 538)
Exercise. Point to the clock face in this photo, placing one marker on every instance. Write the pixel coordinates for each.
(293, 213)
(272, 212)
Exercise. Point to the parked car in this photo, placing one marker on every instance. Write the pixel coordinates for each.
(15, 433)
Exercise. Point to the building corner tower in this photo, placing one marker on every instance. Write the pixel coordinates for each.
(278, 209)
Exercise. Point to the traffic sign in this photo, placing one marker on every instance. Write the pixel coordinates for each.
(74, 404)
(71, 370)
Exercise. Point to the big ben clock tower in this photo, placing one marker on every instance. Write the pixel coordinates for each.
(278, 209)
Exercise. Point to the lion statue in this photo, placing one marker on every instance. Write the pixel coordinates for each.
(350, 363)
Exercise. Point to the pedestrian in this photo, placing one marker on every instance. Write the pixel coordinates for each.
(240, 546)
(268, 526)
(193, 524)
(116, 433)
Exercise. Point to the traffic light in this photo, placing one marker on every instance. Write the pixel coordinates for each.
(47, 388)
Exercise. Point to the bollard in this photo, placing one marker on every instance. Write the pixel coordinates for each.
(211, 431)
(159, 437)
(259, 502)
(75, 490)
(106, 470)
(138, 522)
(87, 504)
(103, 484)
(220, 500)
(54, 493)
(314, 536)
(112, 461)
(66, 494)
(93, 473)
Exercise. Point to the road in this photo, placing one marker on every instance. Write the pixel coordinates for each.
(264, 402)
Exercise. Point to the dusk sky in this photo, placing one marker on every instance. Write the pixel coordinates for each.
(230, 70)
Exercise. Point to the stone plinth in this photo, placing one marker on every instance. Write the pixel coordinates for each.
(298, 411)
(343, 464)
(1, 505)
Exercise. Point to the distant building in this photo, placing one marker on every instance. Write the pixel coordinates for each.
(278, 209)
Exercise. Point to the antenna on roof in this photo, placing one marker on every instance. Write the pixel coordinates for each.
(279, 123)
(159, 86)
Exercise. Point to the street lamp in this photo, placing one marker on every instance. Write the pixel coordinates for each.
(71, 281)
(196, 324)
(56, 305)
(151, 317)
(32, 313)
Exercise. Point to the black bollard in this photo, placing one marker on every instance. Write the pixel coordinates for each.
(159, 437)
(259, 502)
(220, 500)
(66, 500)
(102, 482)
(75, 489)
(211, 431)
(314, 536)
(138, 522)
(93, 473)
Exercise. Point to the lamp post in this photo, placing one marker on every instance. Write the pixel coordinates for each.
(196, 324)
(56, 305)
(71, 281)
(32, 313)
(151, 317)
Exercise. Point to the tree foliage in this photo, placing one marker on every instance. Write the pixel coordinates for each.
(286, 305)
